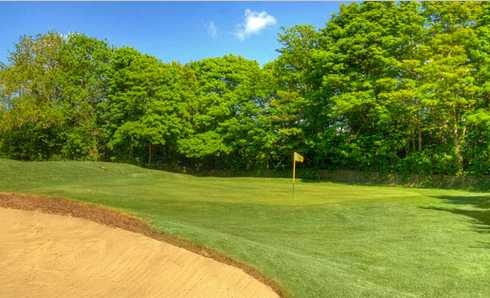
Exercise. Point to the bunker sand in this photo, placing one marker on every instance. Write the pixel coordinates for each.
(48, 255)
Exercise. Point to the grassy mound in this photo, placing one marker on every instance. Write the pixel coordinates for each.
(330, 240)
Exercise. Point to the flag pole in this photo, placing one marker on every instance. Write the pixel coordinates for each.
(296, 158)
(294, 174)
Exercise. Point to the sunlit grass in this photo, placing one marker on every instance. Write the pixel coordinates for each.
(329, 240)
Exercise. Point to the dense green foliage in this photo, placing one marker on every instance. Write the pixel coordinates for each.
(331, 240)
(399, 87)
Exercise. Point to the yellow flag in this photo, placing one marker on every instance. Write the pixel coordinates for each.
(298, 157)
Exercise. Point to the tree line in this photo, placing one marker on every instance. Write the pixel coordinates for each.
(402, 87)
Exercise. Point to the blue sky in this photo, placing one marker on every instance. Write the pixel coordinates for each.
(182, 31)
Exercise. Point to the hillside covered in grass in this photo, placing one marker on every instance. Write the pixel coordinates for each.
(329, 240)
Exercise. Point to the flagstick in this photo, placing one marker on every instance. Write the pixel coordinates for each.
(299, 158)
(294, 175)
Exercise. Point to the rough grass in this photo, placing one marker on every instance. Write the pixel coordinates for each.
(330, 240)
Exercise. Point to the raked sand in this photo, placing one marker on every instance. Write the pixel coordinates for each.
(46, 255)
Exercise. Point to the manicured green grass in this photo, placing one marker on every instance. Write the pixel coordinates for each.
(330, 240)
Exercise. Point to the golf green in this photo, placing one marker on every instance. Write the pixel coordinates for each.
(329, 240)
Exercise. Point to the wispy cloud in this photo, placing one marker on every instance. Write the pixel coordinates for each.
(212, 29)
(254, 23)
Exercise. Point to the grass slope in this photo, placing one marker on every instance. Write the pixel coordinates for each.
(331, 240)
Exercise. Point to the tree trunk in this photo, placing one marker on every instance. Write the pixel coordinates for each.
(458, 141)
(131, 148)
(149, 154)
(420, 138)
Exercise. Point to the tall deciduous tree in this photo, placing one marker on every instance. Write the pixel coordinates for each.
(228, 124)
(146, 110)
(399, 86)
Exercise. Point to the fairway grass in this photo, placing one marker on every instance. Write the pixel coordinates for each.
(329, 240)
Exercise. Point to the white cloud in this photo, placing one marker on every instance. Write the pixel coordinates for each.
(212, 29)
(254, 23)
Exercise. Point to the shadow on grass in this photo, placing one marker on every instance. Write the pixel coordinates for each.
(483, 245)
(474, 207)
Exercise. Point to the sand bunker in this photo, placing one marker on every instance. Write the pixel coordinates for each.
(47, 255)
